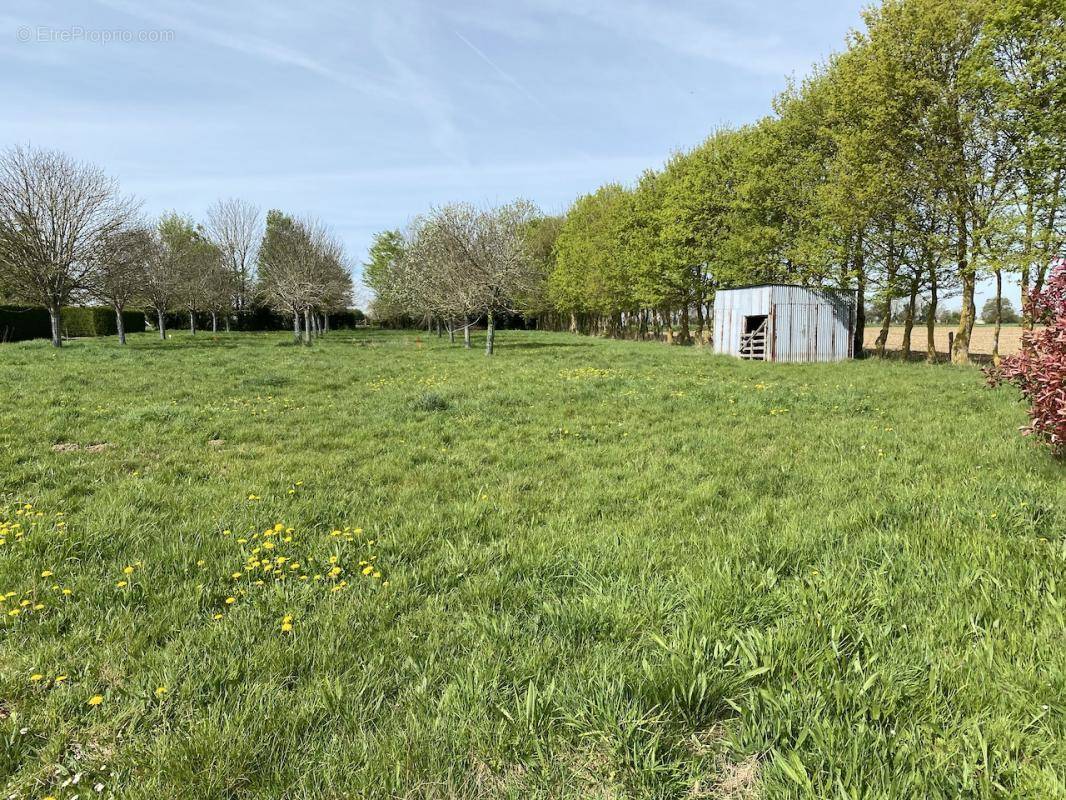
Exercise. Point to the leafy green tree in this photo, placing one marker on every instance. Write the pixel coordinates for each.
(999, 310)
(590, 275)
(380, 273)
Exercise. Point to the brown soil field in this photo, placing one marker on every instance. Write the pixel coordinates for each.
(1010, 338)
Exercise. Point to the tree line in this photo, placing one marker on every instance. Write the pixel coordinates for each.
(68, 235)
(926, 156)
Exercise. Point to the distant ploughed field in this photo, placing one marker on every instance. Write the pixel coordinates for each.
(1010, 338)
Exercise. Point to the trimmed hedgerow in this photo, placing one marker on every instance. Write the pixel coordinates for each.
(18, 323)
(99, 321)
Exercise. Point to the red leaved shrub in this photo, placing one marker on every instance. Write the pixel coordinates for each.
(1039, 370)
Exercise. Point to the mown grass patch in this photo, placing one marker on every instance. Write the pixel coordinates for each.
(596, 569)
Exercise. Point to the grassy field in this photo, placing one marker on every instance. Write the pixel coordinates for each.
(382, 567)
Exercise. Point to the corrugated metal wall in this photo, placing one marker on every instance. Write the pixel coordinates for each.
(730, 308)
(805, 324)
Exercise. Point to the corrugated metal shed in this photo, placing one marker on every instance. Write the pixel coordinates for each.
(778, 322)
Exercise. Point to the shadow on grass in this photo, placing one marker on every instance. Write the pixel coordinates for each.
(916, 356)
(186, 344)
(503, 344)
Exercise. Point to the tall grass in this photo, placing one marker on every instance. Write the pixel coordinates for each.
(578, 569)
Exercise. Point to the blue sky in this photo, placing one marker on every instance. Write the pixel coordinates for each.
(366, 114)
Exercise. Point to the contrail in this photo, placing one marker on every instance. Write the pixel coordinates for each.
(502, 73)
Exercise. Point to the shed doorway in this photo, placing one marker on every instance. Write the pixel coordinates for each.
(753, 337)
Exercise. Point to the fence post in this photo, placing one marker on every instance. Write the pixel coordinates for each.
(951, 343)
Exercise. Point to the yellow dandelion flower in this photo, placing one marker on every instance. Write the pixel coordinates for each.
(230, 601)
(13, 612)
(60, 678)
(96, 699)
(127, 570)
(36, 677)
(47, 573)
(160, 691)
(120, 584)
(216, 616)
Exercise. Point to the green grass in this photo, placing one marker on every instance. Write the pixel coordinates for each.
(613, 570)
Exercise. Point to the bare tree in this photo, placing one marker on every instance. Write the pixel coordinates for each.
(163, 283)
(302, 270)
(218, 291)
(121, 276)
(462, 261)
(55, 216)
(235, 227)
(195, 264)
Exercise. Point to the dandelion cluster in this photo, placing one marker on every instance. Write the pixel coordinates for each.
(585, 374)
(262, 405)
(277, 555)
(17, 522)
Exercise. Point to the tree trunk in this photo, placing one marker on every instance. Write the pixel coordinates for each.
(1047, 259)
(296, 326)
(685, 337)
(890, 277)
(226, 319)
(57, 326)
(999, 316)
(960, 351)
(307, 326)
(325, 323)
(1027, 258)
(466, 332)
(490, 335)
(120, 325)
(908, 321)
(192, 322)
(859, 342)
(930, 323)
(214, 322)
(451, 331)
(573, 322)
(162, 323)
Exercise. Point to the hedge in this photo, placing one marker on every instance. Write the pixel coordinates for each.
(96, 321)
(257, 318)
(18, 323)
